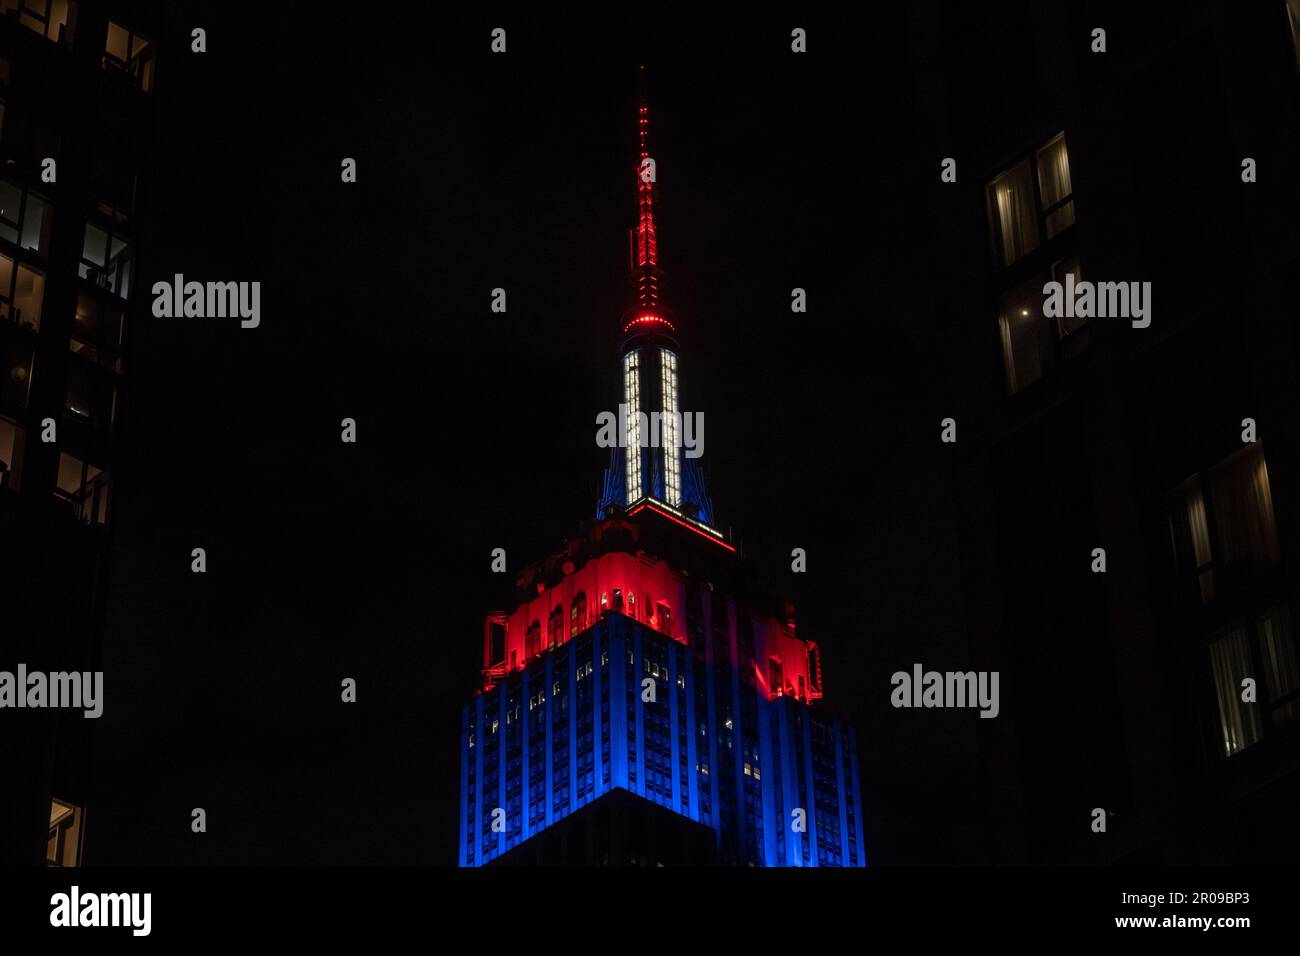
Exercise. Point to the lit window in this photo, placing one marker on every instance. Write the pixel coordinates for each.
(1224, 520)
(129, 53)
(22, 293)
(1031, 342)
(49, 18)
(632, 399)
(671, 417)
(25, 218)
(578, 615)
(98, 332)
(1032, 200)
(495, 724)
(83, 488)
(106, 261)
(64, 846)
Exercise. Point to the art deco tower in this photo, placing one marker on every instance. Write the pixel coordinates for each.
(644, 701)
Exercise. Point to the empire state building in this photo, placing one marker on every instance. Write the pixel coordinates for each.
(644, 701)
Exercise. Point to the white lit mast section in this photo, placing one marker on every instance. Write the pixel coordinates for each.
(671, 422)
(632, 401)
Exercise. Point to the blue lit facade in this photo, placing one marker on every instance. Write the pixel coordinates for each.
(711, 746)
(641, 656)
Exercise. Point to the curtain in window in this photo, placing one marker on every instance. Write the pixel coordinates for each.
(1243, 505)
(1281, 670)
(1196, 550)
(1012, 212)
(1230, 660)
(1054, 185)
(1293, 17)
(1025, 348)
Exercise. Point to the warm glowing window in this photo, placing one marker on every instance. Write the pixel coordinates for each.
(106, 260)
(64, 846)
(12, 439)
(50, 18)
(129, 53)
(670, 423)
(1032, 343)
(22, 292)
(25, 218)
(84, 488)
(1031, 201)
(632, 399)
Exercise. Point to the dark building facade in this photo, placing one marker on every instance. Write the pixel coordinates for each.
(75, 119)
(1167, 441)
(642, 661)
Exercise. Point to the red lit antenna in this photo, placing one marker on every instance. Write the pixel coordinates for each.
(647, 314)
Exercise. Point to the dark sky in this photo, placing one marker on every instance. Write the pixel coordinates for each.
(476, 430)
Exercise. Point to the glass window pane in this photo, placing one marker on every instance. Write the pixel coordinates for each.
(1243, 511)
(1230, 661)
(29, 293)
(69, 473)
(1026, 348)
(1013, 216)
(116, 44)
(36, 224)
(1281, 670)
(96, 246)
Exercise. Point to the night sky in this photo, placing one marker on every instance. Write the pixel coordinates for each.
(476, 430)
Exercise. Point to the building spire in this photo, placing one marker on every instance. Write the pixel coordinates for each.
(647, 252)
(647, 313)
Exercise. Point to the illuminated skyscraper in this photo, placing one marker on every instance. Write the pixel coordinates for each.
(642, 657)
